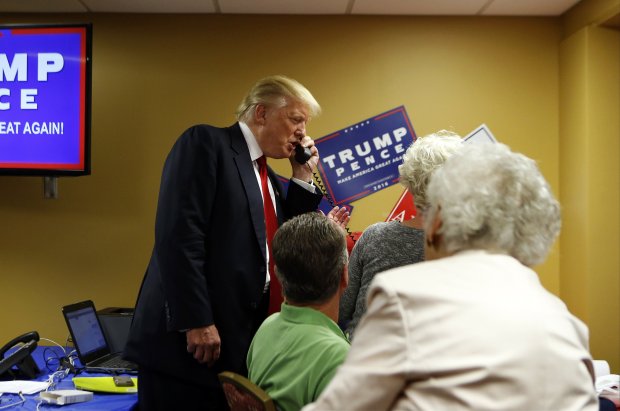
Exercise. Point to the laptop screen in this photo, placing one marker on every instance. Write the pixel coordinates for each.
(87, 333)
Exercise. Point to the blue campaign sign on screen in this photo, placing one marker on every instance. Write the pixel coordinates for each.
(364, 157)
(44, 98)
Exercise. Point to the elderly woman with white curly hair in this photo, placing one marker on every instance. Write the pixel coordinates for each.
(471, 328)
(393, 244)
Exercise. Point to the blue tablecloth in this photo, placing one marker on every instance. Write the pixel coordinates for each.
(100, 401)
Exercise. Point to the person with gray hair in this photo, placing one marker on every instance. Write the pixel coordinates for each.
(521, 219)
(395, 243)
(472, 328)
(296, 352)
(208, 285)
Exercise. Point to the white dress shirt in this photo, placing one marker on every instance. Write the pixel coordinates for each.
(256, 153)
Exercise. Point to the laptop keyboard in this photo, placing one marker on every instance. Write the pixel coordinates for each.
(117, 362)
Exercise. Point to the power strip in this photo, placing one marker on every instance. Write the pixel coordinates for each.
(62, 397)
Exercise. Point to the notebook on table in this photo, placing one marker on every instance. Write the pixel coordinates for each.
(90, 342)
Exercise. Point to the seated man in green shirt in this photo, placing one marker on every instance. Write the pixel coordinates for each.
(296, 352)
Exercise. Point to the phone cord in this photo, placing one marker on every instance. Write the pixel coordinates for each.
(318, 182)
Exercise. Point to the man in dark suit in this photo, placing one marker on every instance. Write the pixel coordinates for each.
(205, 291)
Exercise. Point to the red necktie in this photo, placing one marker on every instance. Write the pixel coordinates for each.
(271, 225)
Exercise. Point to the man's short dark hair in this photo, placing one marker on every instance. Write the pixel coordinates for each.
(310, 253)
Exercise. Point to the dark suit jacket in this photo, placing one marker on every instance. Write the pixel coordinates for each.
(208, 263)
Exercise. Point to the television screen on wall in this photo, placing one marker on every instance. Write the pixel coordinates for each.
(45, 99)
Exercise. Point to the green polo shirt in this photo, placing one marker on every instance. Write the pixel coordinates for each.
(295, 354)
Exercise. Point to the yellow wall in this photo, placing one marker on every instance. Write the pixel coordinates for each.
(590, 176)
(154, 75)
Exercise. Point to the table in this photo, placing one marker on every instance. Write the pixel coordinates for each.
(100, 401)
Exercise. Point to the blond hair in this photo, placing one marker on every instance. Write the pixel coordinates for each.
(275, 91)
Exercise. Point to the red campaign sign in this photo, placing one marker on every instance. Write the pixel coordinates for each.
(404, 208)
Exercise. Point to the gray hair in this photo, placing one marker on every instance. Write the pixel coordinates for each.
(492, 198)
(310, 253)
(422, 158)
(276, 91)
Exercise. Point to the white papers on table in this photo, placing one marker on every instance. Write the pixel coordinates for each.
(23, 386)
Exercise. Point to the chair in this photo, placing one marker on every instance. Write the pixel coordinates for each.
(243, 395)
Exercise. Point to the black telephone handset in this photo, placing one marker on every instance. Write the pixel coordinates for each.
(302, 154)
(20, 358)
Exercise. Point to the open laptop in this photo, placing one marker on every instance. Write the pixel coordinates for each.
(90, 342)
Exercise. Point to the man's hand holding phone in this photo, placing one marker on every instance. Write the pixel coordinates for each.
(309, 153)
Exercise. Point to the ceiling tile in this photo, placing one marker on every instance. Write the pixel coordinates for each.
(41, 6)
(336, 7)
(528, 7)
(283, 6)
(419, 7)
(150, 6)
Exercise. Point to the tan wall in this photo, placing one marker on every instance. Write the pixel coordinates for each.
(590, 176)
(155, 75)
(589, 12)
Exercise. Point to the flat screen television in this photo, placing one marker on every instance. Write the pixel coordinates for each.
(45, 99)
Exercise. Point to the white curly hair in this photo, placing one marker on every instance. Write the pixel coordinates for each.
(422, 158)
(492, 198)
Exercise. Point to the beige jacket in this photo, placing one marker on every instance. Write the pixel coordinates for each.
(475, 331)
